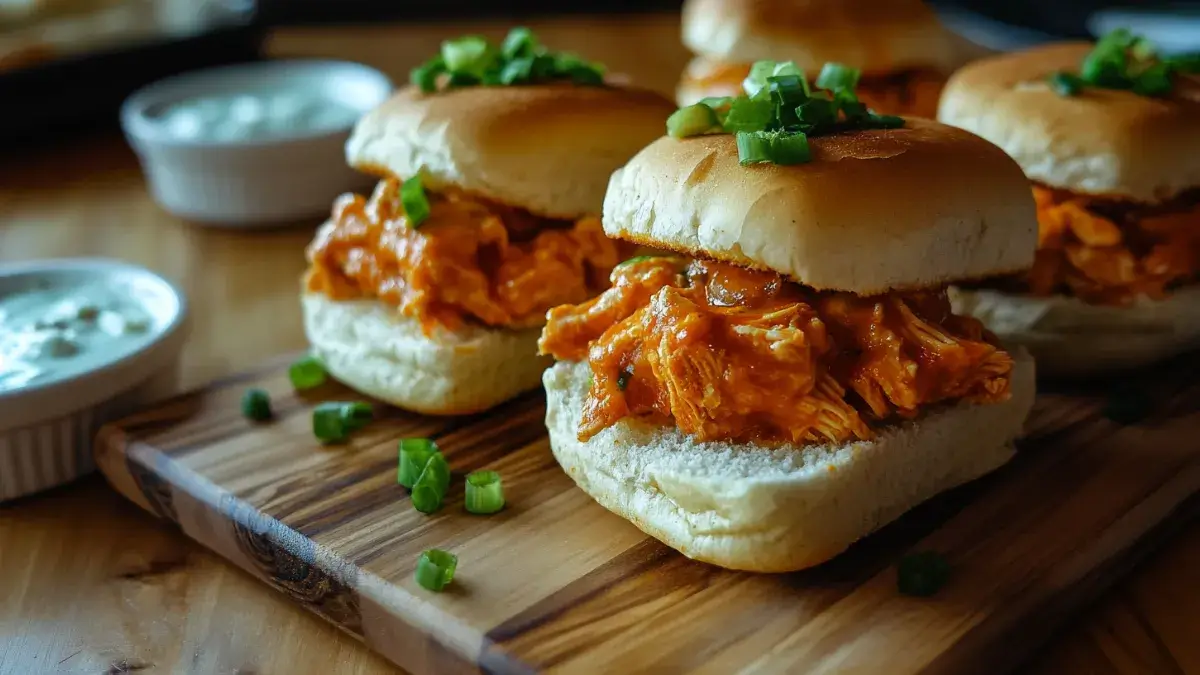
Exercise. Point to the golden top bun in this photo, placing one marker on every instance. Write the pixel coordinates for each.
(548, 149)
(1101, 141)
(875, 210)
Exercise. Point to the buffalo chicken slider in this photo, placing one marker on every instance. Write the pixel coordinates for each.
(430, 294)
(1109, 136)
(792, 378)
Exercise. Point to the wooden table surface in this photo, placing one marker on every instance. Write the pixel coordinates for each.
(90, 584)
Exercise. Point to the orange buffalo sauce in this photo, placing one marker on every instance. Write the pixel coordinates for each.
(727, 353)
(1112, 252)
(470, 261)
(907, 92)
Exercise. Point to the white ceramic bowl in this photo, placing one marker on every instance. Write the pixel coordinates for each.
(47, 427)
(243, 183)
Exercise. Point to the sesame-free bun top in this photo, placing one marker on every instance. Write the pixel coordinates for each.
(877, 210)
(1100, 141)
(876, 36)
(548, 149)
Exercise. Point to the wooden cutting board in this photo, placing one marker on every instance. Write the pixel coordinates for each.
(556, 583)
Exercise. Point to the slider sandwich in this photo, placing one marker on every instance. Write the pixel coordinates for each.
(1109, 136)
(791, 377)
(905, 54)
(430, 294)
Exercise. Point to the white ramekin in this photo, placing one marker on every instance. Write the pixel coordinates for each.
(46, 430)
(252, 182)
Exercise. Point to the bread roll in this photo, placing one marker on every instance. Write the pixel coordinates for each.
(776, 509)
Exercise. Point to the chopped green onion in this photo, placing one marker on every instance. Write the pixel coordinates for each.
(256, 405)
(756, 81)
(425, 76)
(790, 148)
(754, 147)
(693, 120)
(1155, 80)
(435, 569)
(466, 54)
(328, 424)
(922, 574)
(519, 43)
(776, 147)
(307, 373)
(430, 487)
(837, 77)
(414, 201)
(817, 112)
(485, 493)
(414, 455)
(716, 102)
(877, 121)
(517, 71)
(746, 114)
(357, 415)
(1065, 84)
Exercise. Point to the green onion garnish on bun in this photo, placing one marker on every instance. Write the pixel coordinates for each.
(471, 61)
(779, 112)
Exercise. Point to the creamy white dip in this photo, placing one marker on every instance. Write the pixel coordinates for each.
(255, 116)
(51, 331)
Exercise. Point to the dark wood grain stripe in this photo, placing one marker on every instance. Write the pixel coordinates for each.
(1040, 618)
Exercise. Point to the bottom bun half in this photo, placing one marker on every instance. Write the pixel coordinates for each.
(377, 351)
(1069, 337)
(776, 509)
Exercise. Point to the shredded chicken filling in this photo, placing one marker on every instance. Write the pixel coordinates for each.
(470, 261)
(726, 353)
(1112, 252)
(907, 92)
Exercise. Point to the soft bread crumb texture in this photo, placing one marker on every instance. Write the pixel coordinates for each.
(375, 350)
(776, 509)
(1100, 142)
(1069, 337)
(875, 211)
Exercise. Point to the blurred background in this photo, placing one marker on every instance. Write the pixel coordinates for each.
(68, 63)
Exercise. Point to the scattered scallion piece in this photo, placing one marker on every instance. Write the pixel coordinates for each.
(922, 574)
(414, 455)
(334, 421)
(307, 373)
(357, 415)
(430, 487)
(485, 493)
(435, 569)
(414, 201)
(773, 120)
(256, 405)
(327, 423)
(519, 59)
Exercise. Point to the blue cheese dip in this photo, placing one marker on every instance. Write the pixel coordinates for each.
(52, 330)
(256, 116)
